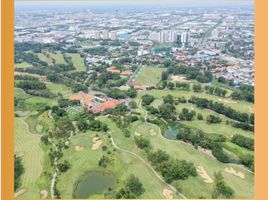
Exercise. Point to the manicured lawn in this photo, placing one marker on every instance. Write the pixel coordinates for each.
(58, 57)
(193, 187)
(44, 58)
(237, 105)
(220, 128)
(22, 65)
(77, 61)
(123, 165)
(149, 76)
(59, 88)
(32, 158)
(243, 187)
(19, 93)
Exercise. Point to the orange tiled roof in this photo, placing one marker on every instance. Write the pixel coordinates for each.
(111, 103)
(127, 72)
(81, 96)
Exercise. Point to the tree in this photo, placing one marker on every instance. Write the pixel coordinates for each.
(199, 116)
(170, 85)
(132, 93)
(242, 141)
(64, 166)
(167, 111)
(168, 99)
(18, 171)
(133, 188)
(197, 88)
(212, 119)
(147, 99)
(104, 161)
(186, 115)
(221, 189)
(142, 143)
(133, 104)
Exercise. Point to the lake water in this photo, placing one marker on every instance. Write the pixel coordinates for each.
(94, 183)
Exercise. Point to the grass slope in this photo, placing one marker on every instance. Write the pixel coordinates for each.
(29, 145)
(149, 76)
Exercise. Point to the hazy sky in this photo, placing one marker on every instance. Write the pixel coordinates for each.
(123, 3)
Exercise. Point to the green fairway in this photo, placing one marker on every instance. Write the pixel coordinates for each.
(22, 65)
(243, 187)
(220, 128)
(241, 106)
(29, 146)
(44, 57)
(86, 160)
(20, 94)
(77, 61)
(58, 57)
(59, 88)
(149, 76)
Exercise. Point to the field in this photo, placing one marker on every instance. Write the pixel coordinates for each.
(86, 160)
(221, 128)
(59, 88)
(58, 57)
(22, 65)
(28, 145)
(243, 187)
(149, 76)
(77, 61)
(241, 106)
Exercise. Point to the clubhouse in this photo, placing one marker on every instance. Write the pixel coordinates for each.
(93, 103)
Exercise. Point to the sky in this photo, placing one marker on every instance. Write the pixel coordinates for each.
(127, 3)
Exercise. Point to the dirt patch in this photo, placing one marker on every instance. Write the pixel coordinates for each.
(22, 113)
(176, 78)
(78, 148)
(42, 78)
(20, 192)
(234, 172)
(96, 143)
(19, 154)
(206, 151)
(226, 101)
(250, 109)
(203, 173)
(152, 132)
(137, 134)
(168, 194)
(43, 194)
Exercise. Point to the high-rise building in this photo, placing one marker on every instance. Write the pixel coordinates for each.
(173, 36)
(113, 35)
(105, 34)
(163, 36)
(185, 38)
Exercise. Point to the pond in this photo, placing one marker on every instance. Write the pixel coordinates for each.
(94, 183)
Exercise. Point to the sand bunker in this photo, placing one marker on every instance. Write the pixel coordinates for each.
(203, 173)
(20, 192)
(250, 109)
(152, 132)
(22, 113)
(96, 143)
(19, 154)
(43, 194)
(137, 134)
(177, 78)
(168, 194)
(78, 148)
(226, 101)
(236, 173)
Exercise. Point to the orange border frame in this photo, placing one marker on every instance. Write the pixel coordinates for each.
(7, 103)
(261, 73)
